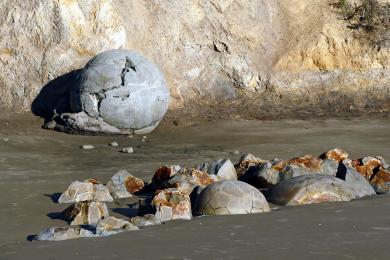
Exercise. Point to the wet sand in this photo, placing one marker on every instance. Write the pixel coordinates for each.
(35, 163)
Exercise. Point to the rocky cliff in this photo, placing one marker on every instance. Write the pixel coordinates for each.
(254, 58)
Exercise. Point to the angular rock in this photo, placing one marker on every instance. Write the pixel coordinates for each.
(119, 92)
(163, 174)
(230, 197)
(265, 174)
(88, 190)
(111, 226)
(85, 213)
(223, 169)
(123, 184)
(373, 169)
(172, 204)
(381, 181)
(336, 154)
(189, 178)
(146, 220)
(247, 161)
(308, 189)
(63, 233)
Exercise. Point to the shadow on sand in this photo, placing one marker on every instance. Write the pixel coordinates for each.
(55, 96)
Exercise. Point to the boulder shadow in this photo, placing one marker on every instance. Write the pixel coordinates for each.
(31, 238)
(54, 97)
(55, 215)
(129, 212)
(54, 197)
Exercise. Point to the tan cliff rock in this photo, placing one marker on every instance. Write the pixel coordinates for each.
(256, 58)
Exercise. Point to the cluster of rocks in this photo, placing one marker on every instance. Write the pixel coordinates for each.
(219, 188)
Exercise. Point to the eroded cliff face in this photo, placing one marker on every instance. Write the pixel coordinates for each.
(255, 58)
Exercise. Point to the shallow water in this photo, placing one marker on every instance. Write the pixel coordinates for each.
(35, 163)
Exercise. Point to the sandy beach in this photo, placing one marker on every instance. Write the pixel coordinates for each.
(37, 163)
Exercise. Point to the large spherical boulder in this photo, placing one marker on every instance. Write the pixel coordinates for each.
(229, 198)
(308, 189)
(118, 91)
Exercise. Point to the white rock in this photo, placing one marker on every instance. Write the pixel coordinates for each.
(87, 147)
(127, 150)
(63, 233)
(111, 226)
(88, 190)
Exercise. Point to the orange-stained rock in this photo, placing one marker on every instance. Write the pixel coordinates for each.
(189, 178)
(307, 161)
(336, 154)
(247, 161)
(133, 184)
(367, 166)
(123, 184)
(373, 169)
(164, 173)
(381, 181)
(172, 204)
(85, 213)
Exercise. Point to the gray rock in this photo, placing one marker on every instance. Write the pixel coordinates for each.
(146, 220)
(63, 233)
(308, 189)
(123, 184)
(223, 169)
(85, 213)
(82, 123)
(127, 150)
(88, 190)
(118, 91)
(356, 182)
(111, 226)
(265, 174)
(230, 197)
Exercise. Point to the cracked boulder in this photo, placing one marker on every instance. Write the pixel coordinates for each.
(111, 226)
(88, 190)
(85, 213)
(223, 169)
(123, 185)
(117, 92)
(172, 204)
(308, 189)
(230, 197)
(63, 233)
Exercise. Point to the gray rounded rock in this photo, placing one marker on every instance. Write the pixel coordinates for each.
(308, 189)
(229, 198)
(123, 89)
